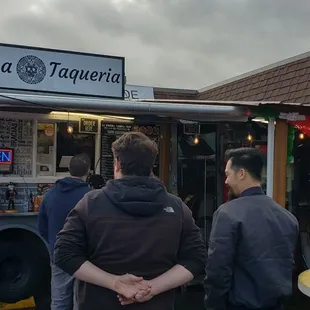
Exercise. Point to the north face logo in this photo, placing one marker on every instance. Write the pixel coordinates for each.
(169, 210)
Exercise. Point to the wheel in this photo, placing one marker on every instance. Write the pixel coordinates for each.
(20, 271)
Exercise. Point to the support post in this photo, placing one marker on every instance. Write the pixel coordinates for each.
(164, 154)
(280, 162)
(270, 156)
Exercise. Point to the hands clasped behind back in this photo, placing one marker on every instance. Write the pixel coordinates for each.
(132, 289)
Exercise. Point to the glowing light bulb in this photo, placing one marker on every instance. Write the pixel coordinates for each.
(301, 136)
(249, 137)
(196, 140)
(70, 129)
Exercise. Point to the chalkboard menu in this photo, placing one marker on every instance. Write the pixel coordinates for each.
(111, 132)
(18, 135)
(153, 132)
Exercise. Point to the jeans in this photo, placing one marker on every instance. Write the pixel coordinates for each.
(62, 290)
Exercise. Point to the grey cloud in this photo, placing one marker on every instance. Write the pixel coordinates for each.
(171, 43)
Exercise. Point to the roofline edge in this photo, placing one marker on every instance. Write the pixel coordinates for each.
(254, 72)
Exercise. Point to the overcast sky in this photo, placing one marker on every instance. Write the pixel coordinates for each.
(168, 43)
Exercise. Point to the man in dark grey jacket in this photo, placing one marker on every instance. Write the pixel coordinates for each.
(252, 243)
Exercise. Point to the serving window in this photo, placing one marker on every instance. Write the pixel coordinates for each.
(70, 144)
(57, 143)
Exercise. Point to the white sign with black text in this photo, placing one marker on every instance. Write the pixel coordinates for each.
(292, 116)
(64, 72)
(138, 92)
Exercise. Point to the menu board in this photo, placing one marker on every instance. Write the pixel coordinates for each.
(153, 132)
(111, 132)
(17, 134)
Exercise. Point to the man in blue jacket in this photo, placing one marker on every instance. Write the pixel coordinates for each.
(56, 205)
(252, 243)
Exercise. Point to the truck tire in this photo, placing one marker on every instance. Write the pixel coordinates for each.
(20, 271)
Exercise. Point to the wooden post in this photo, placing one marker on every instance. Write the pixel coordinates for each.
(280, 162)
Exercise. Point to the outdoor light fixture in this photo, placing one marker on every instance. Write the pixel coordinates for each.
(249, 137)
(249, 129)
(196, 140)
(301, 136)
(69, 129)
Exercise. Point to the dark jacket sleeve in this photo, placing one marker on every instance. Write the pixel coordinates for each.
(42, 223)
(221, 253)
(192, 251)
(70, 250)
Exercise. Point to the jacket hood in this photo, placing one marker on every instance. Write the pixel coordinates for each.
(68, 184)
(137, 196)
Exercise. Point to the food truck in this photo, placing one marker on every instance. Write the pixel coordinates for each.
(55, 104)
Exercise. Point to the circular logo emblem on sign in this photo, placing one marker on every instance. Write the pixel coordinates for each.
(31, 69)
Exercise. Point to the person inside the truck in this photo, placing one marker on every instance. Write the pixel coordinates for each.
(252, 242)
(96, 181)
(55, 206)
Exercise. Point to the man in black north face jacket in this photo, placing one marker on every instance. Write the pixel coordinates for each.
(130, 226)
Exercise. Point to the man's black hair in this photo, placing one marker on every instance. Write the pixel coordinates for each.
(249, 159)
(79, 165)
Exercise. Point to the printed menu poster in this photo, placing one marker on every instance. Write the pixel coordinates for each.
(111, 132)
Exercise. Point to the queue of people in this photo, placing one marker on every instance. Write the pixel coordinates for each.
(130, 244)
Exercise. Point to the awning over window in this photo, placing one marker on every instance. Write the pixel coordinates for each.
(200, 111)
